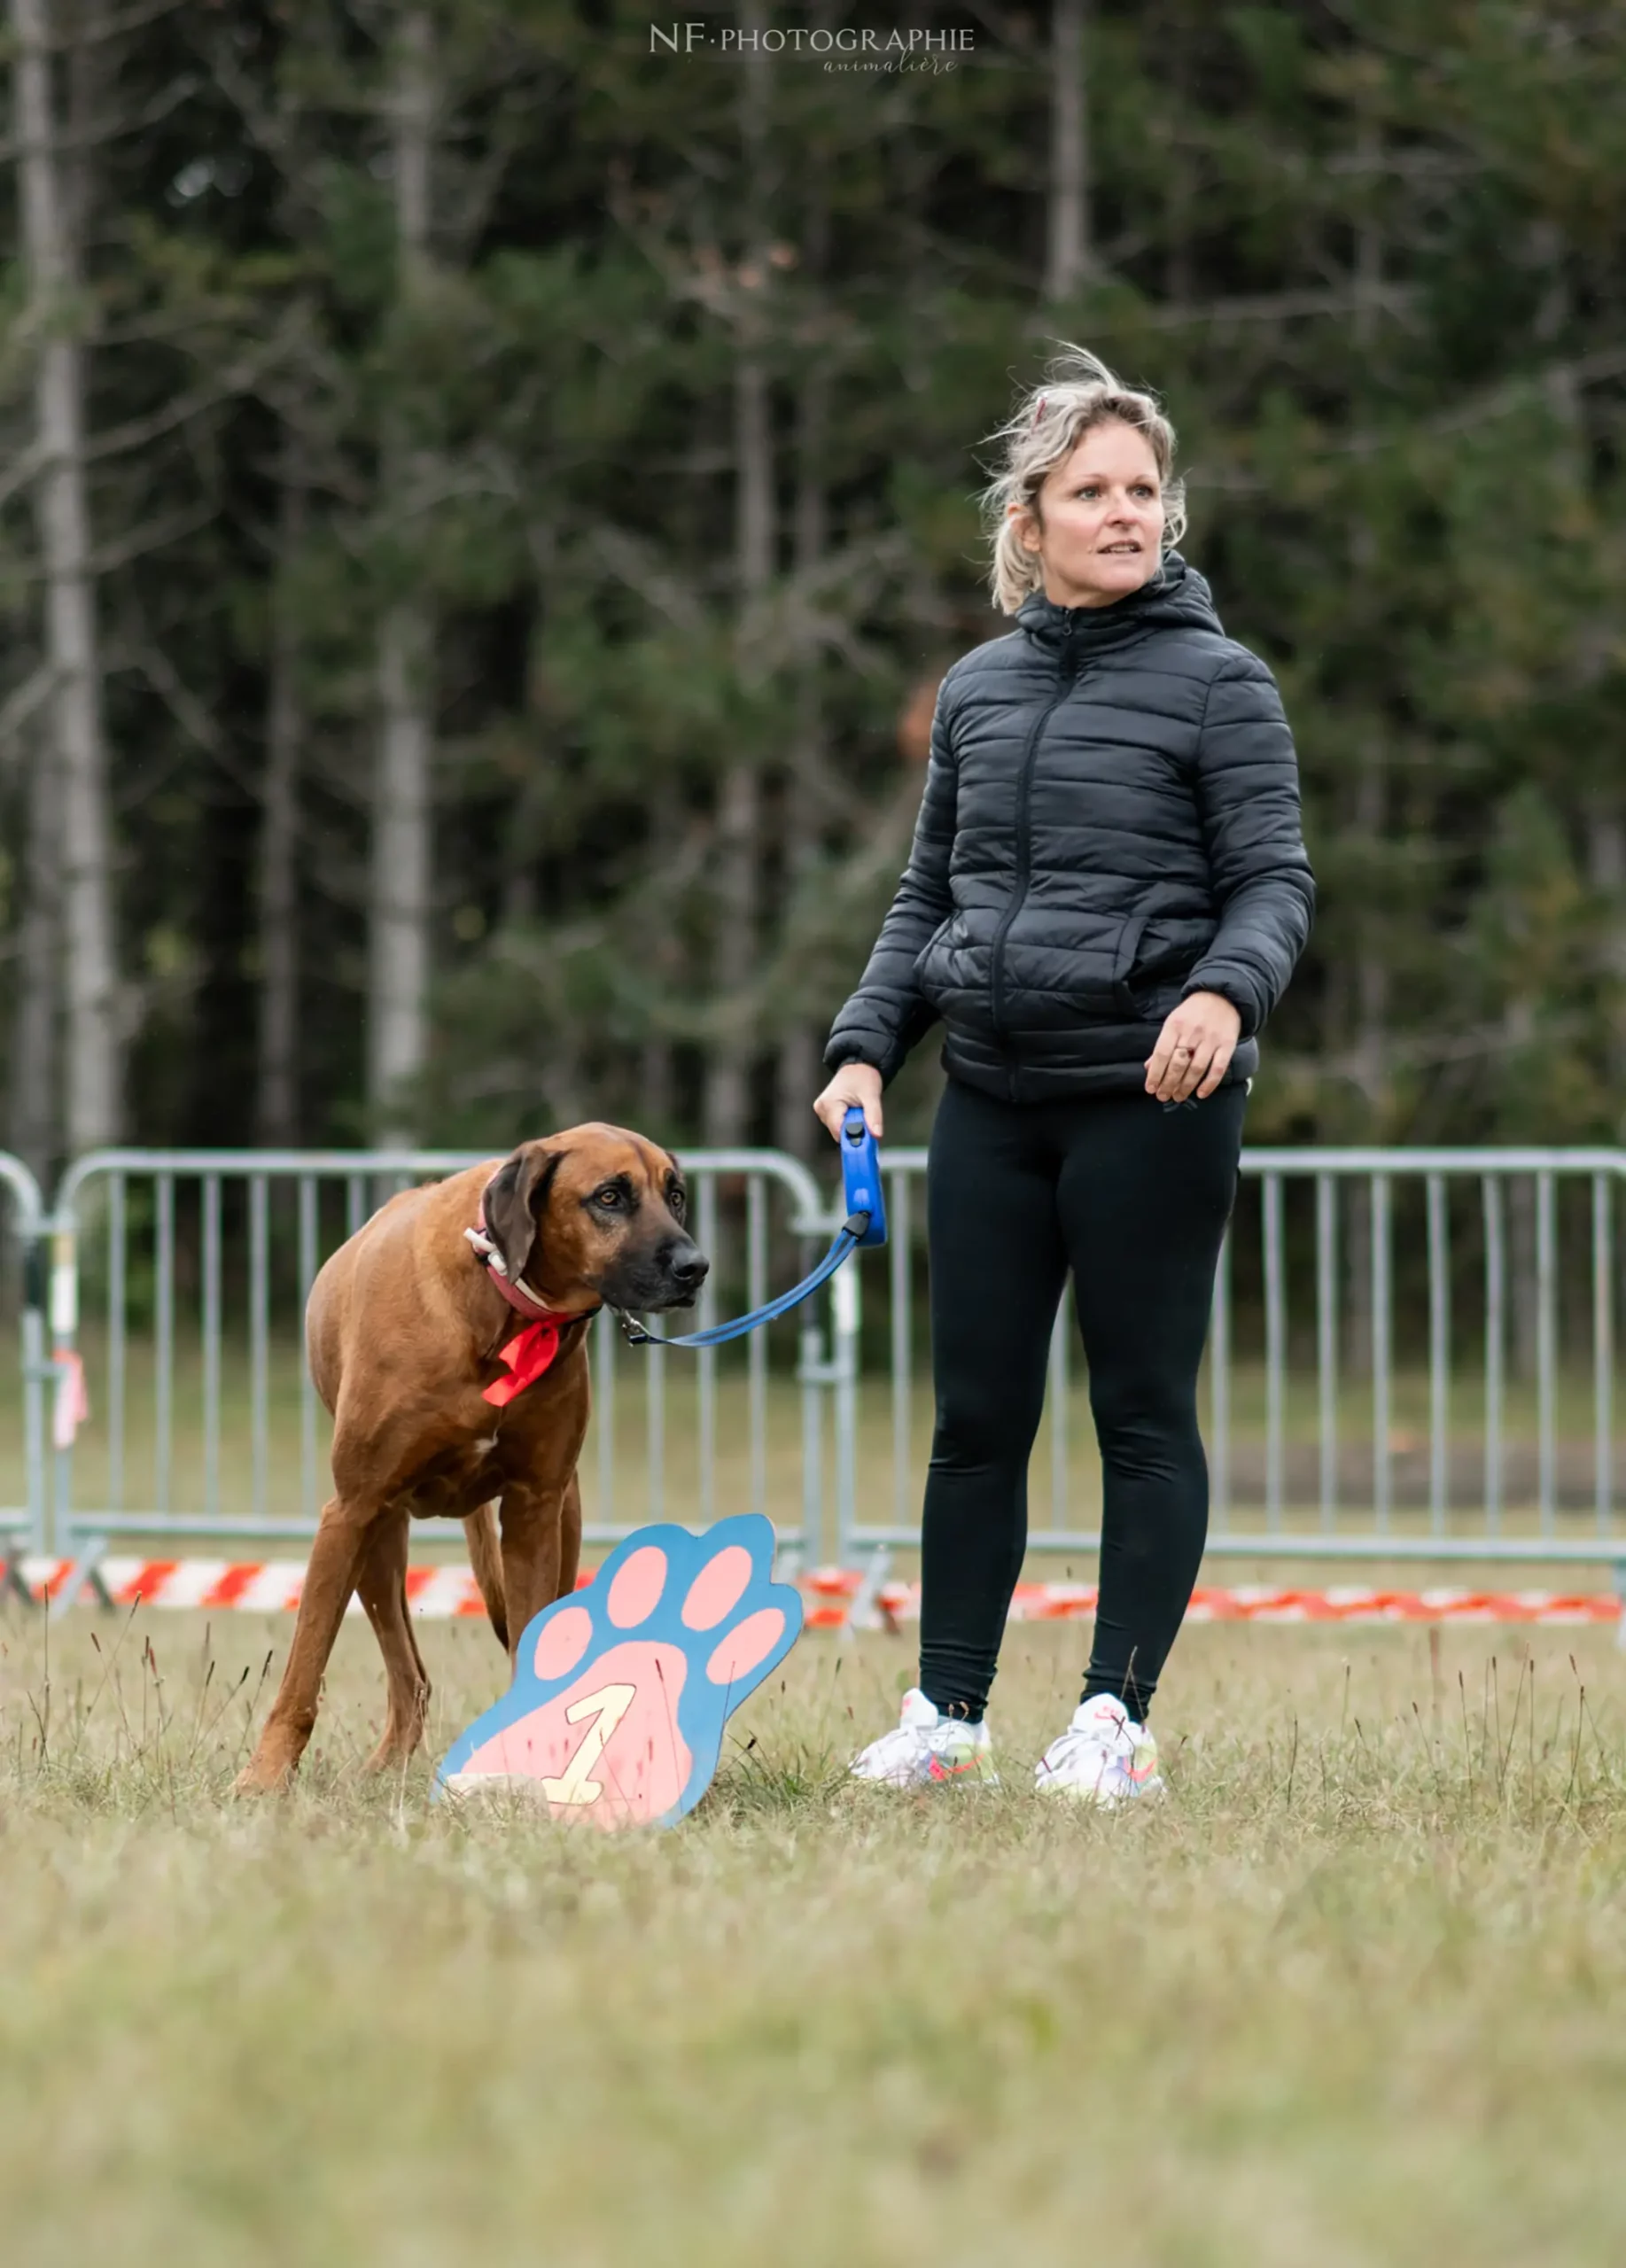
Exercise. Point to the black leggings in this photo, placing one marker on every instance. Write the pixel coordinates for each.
(1136, 1199)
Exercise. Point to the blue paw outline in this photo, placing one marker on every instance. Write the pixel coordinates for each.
(622, 1688)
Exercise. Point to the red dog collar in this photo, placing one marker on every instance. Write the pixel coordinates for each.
(529, 1353)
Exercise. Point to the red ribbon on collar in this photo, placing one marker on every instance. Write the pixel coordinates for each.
(528, 1355)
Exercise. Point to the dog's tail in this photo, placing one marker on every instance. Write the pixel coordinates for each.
(486, 1558)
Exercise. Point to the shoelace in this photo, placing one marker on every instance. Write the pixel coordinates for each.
(901, 1743)
(1105, 1741)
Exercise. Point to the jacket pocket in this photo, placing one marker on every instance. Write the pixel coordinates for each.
(924, 955)
(1153, 974)
(1123, 961)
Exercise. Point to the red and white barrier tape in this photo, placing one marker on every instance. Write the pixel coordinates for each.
(1260, 1602)
(833, 1587)
(439, 1593)
(253, 1586)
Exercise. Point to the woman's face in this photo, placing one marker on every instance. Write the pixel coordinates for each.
(1098, 532)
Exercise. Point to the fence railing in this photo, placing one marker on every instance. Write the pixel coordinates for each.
(1412, 1356)
(209, 1249)
(24, 1523)
(1440, 1224)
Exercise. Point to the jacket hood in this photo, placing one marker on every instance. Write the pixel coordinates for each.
(1177, 598)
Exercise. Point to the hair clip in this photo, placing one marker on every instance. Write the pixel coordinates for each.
(1038, 409)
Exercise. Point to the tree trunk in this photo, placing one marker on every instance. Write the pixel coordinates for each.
(400, 876)
(1607, 872)
(726, 1108)
(1371, 969)
(77, 741)
(800, 1071)
(1370, 1067)
(1069, 252)
(661, 954)
(1179, 198)
(1368, 241)
(276, 1108)
(658, 1088)
(36, 1128)
(400, 890)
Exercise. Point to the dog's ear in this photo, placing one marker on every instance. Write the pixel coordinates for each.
(515, 1201)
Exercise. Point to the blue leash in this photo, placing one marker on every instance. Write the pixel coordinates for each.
(865, 1224)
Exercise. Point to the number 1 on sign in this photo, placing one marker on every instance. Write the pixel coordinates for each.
(607, 1707)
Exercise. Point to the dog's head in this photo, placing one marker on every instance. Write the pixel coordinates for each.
(596, 1213)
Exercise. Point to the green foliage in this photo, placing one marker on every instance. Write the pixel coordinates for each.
(1371, 255)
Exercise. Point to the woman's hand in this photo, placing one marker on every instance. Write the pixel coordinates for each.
(854, 1084)
(1195, 1046)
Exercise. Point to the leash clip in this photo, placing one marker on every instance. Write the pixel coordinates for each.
(865, 1224)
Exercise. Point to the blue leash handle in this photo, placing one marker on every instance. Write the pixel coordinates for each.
(865, 1224)
(860, 1176)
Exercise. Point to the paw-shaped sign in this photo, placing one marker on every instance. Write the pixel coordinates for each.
(621, 1690)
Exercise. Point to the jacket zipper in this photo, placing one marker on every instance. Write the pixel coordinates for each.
(1067, 671)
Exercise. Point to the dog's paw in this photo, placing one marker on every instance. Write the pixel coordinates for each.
(621, 1690)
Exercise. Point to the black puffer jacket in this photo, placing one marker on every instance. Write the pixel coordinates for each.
(1111, 821)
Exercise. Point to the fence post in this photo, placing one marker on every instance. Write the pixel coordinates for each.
(845, 1315)
(64, 1333)
(810, 1377)
(35, 1370)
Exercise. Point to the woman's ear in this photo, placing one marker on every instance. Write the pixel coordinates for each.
(516, 1201)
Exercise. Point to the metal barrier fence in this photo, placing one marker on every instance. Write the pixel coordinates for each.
(205, 1248)
(1439, 1222)
(25, 1523)
(1479, 1280)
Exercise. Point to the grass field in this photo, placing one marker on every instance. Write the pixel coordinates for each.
(1355, 1994)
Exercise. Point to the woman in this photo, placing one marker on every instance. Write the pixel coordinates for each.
(1106, 895)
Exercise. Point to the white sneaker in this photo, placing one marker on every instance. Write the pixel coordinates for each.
(1104, 1757)
(927, 1750)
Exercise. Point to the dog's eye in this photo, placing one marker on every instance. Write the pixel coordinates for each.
(609, 1196)
(679, 1203)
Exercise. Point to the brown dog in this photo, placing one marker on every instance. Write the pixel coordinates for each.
(403, 1329)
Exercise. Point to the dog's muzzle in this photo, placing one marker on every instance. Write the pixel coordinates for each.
(669, 1279)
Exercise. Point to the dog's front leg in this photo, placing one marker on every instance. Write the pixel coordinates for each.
(533, 1523)
(381, 1579)
(570, 1536)
(330, 1579)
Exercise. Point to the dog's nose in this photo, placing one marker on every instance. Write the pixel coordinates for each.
(689, 1270)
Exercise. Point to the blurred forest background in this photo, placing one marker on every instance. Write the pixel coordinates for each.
(486, 502)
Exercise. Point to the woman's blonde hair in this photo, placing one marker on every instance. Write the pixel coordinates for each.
(1080, 391)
